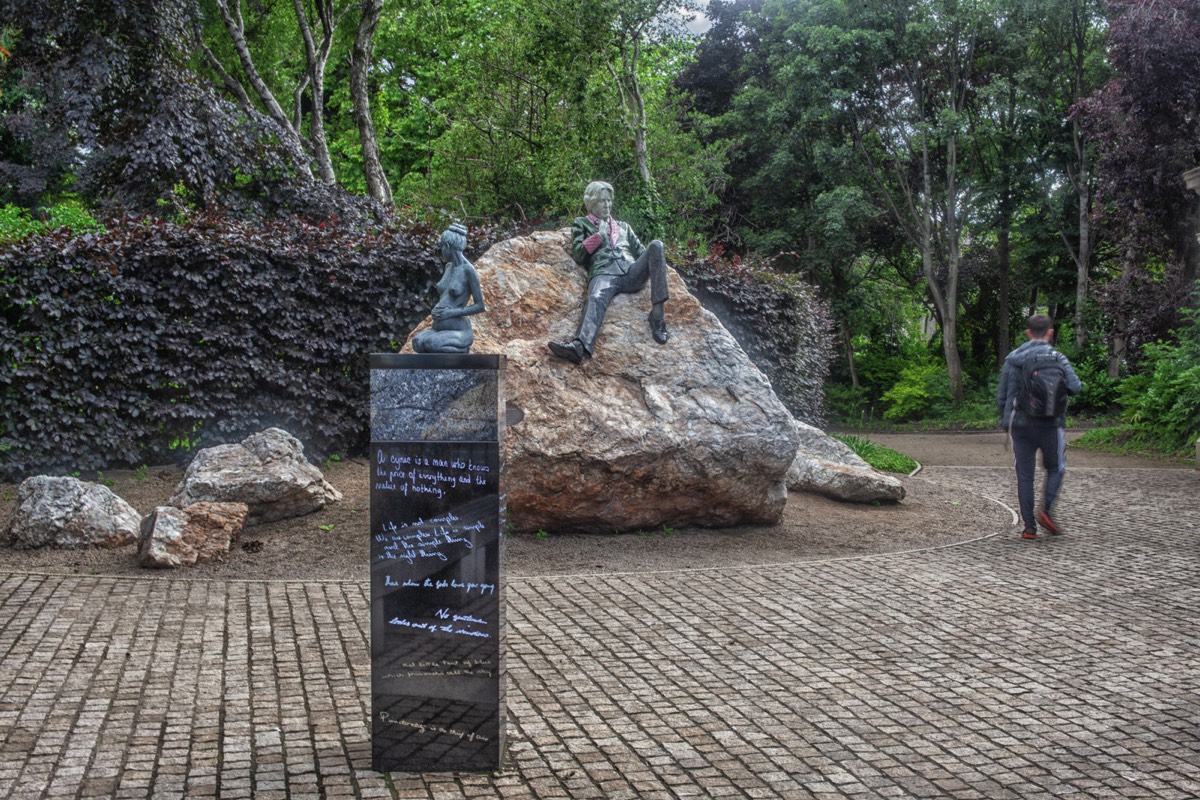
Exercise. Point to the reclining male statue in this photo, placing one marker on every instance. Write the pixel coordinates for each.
(617, 263)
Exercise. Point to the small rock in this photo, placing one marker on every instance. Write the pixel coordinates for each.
(828, 467)
(71, 514)
(267, 471)
(198, 534)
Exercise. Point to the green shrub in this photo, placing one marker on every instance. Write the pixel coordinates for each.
(846, 404)
(1099, 396)
(16, 223)
(923, 391)
(1163, 403)
(1126, 440)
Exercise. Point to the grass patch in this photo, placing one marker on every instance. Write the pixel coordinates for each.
(1126, 440)
(878, 456)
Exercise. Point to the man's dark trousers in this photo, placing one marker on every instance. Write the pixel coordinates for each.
(1027, 440)
(651, 266)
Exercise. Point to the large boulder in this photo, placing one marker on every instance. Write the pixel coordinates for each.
(201, 533)
(641, 436)
(267, 471)
(826, 466)
(71, 514)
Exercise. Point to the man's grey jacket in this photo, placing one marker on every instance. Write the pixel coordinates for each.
(1010, 385)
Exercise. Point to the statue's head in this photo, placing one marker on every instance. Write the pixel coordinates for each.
(454, 240)
(597, 198)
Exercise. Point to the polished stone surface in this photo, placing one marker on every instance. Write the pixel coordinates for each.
(435, 397)
(437, 551)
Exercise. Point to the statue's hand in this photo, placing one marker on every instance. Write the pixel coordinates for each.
(593, 242)
(440, 313)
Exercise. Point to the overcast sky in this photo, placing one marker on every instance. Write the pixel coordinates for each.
(701, 23)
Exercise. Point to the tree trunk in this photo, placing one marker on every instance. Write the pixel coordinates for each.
(849, 340)
(1084, 258)
(953, 262)
(1003, 256)
(634, 104)
(360, 66)
(232, 18)
(1116, 351)
(640, 147)
(315, 58)
(1119, 343)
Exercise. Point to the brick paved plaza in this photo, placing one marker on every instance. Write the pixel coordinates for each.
(997, 668)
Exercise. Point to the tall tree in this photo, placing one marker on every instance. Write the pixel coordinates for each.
(638, 25)
(916, 134)
(1068, 57)
(316, 37)
(1146, 122)
(1004, 118)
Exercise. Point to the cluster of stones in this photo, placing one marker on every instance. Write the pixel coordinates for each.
(226, 488)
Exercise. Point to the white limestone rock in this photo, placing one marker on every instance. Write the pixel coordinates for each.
(71, 514)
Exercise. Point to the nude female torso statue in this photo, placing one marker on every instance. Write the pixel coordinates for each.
(459, 297)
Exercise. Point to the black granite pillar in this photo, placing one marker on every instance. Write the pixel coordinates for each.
(437, 560)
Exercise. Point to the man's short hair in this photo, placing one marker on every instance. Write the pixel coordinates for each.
(1038, 324)
(593, 190)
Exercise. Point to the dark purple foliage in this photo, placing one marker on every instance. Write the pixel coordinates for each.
(1146, 123)
(116, 345)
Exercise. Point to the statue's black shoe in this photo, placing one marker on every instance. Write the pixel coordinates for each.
(571, 351)
(658, 328)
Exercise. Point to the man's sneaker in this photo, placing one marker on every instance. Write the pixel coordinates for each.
(1029, 533)
(1044, 520)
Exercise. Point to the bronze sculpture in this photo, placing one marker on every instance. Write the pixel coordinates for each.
(451, 331)
(617, 263)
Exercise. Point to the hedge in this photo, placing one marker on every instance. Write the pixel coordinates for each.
(140, 343)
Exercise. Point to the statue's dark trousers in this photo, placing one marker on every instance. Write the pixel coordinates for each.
(650, 266)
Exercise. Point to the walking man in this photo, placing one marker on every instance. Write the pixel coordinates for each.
(617, 263)
(1034, 385)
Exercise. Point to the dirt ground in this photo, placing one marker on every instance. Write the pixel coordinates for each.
(333, 544)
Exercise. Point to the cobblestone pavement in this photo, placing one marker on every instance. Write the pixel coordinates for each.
(997, 668)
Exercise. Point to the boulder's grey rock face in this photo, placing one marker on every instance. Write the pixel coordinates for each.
(826, 466)
(267, 471)
(70, 513)
(203, 532)
(641, 436)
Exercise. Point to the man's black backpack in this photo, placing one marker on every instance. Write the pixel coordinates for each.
(1043, 385)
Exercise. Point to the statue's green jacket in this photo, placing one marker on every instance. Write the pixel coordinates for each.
(611, 258)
